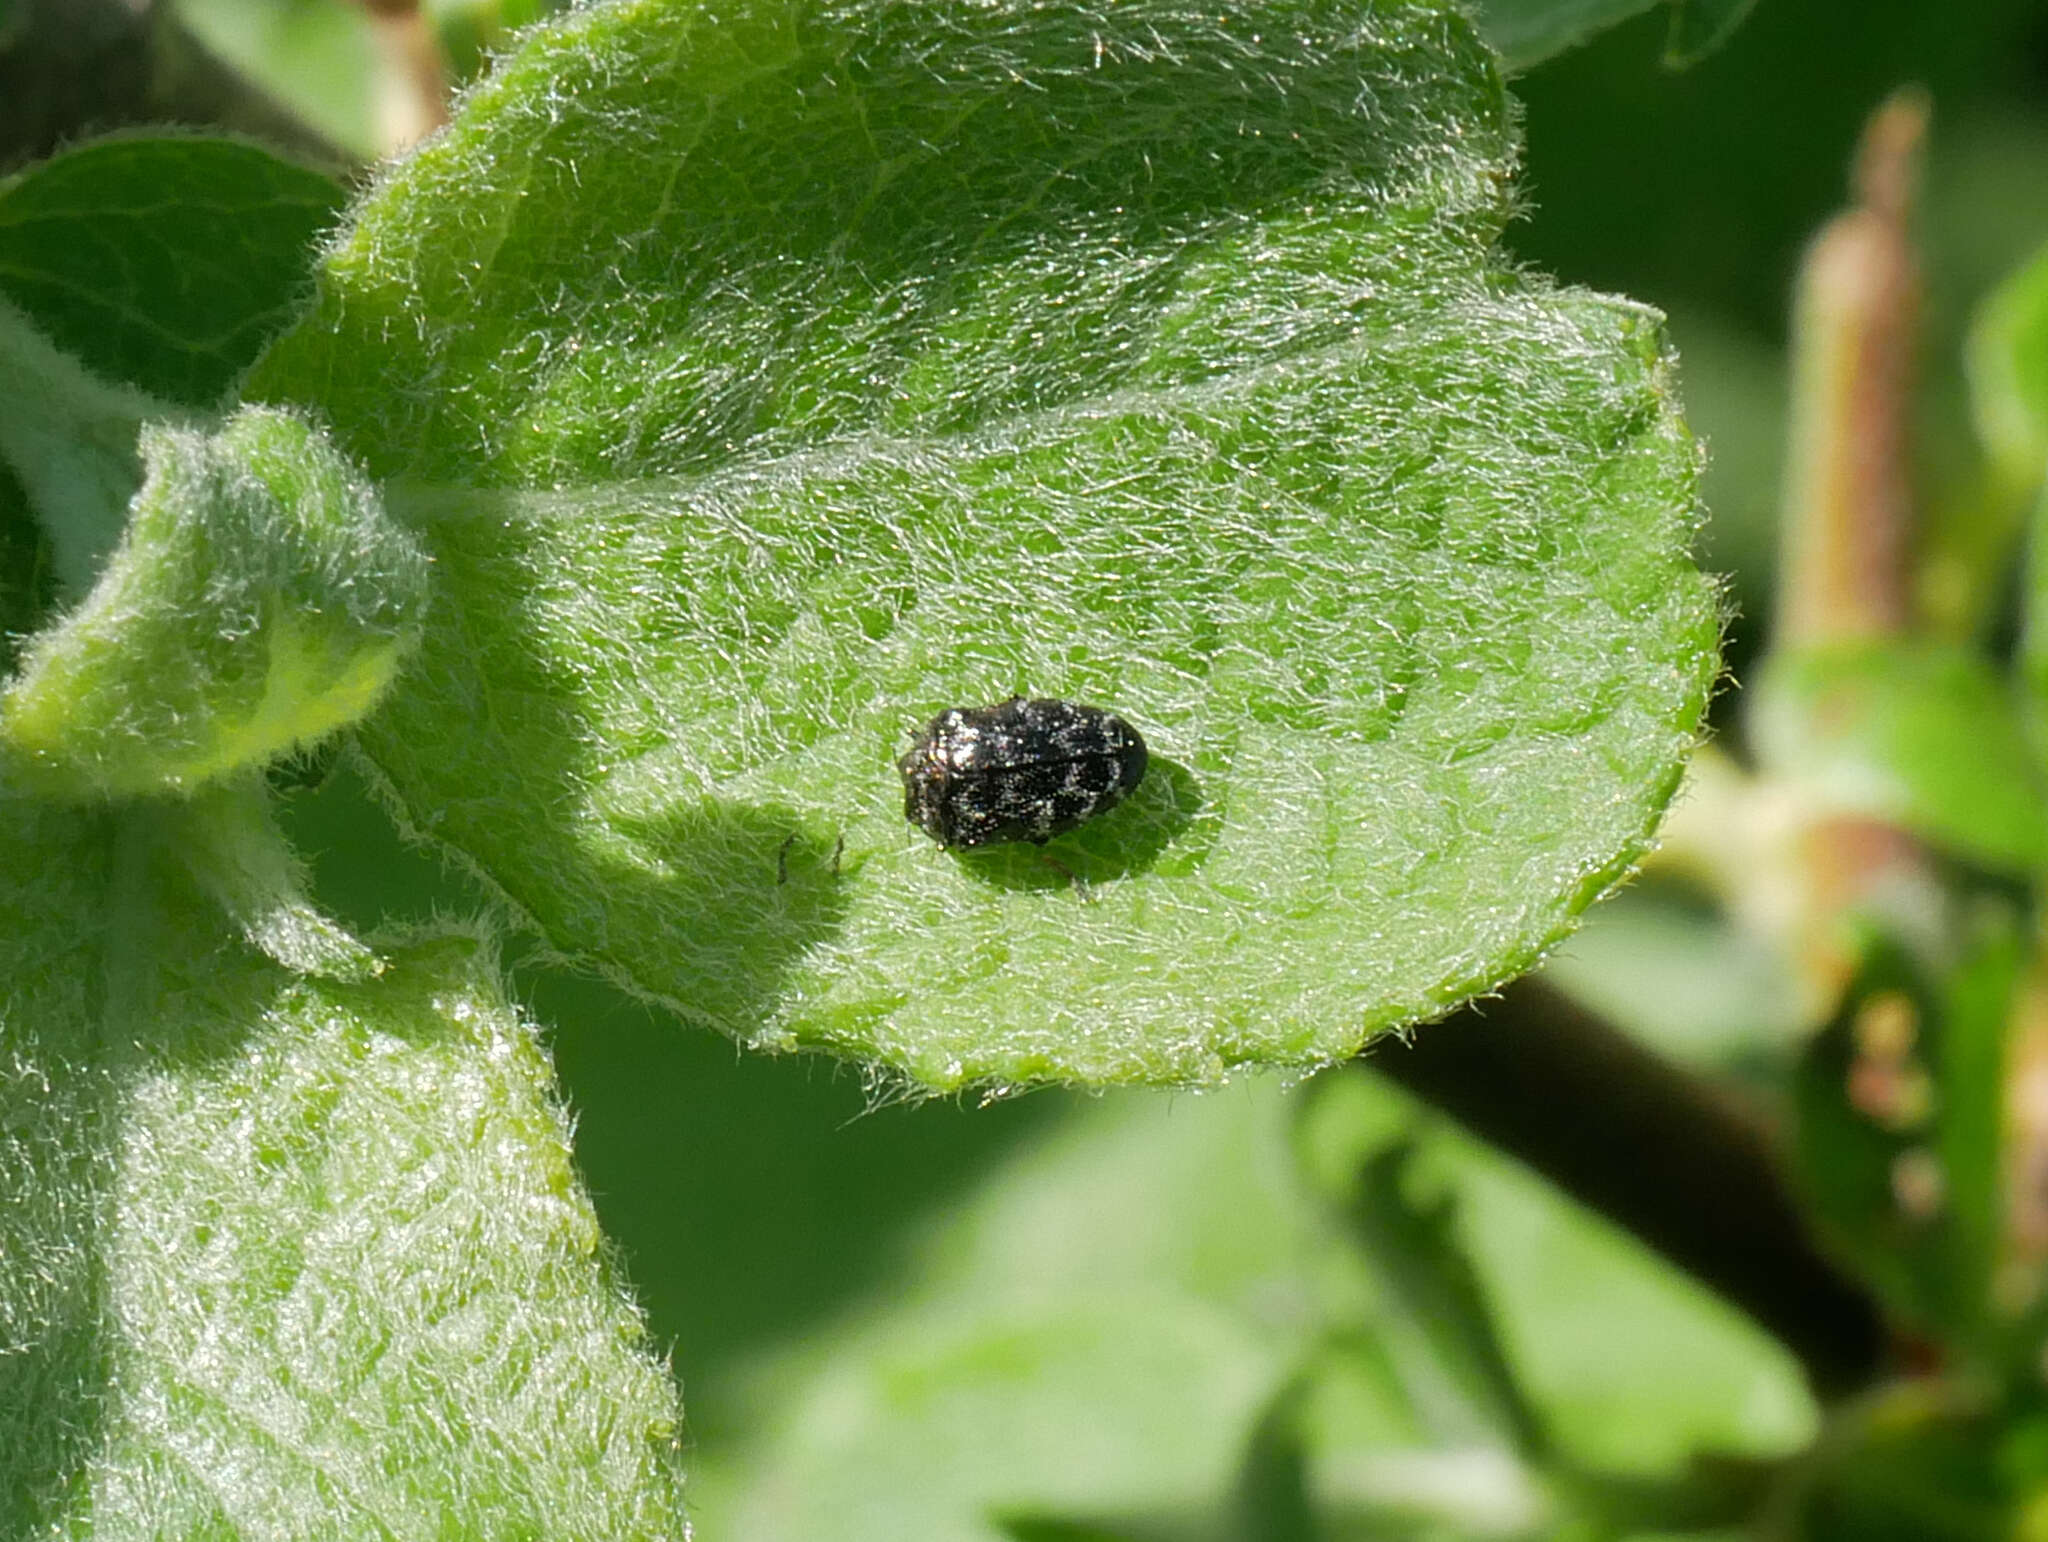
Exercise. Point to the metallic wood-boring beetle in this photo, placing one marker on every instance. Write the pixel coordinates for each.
(1022, 770)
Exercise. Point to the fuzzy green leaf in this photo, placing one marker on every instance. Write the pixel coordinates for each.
(763, 384)
(1920, 735)
(164, 263)
(286, 1257)
(259, 600)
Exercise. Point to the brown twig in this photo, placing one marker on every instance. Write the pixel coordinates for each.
(1848, 516)
(1846, 574)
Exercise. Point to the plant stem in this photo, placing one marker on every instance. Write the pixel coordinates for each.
(1847, 574)
(1848, 497)
(1652, 1149)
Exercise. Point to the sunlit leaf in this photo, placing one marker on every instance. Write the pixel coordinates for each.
(763, 384)
(284, 1257)
(258, 600)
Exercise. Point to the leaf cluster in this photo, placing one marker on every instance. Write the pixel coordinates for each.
(608, 489)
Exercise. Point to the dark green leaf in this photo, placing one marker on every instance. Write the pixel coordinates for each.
(1272, 1502)
(163, 263)
(1698, 27)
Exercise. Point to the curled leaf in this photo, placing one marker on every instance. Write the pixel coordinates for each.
(259, 599)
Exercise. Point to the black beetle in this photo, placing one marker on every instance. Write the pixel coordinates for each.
(1022, 770)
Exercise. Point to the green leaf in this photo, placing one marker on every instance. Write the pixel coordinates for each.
(2007, 358)
(763, 387)
(1621, 1367)
(1529, 31)
(69, 439)
(259, 600)
(163, 263)
(1413, 1240)
(1920, 735)
(1634, 1367)
(1272, 1502)
(317, 58)
(287, 1257)
(1698, 27)
(1151, 1265)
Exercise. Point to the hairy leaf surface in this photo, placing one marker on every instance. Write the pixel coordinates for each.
(259, 599)
(766, 380)
(289, 1257)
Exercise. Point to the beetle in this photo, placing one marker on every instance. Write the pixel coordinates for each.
(1025, 769)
